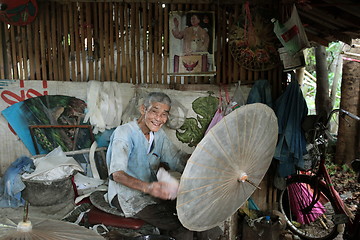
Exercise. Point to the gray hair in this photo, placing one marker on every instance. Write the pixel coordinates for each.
(156, 97)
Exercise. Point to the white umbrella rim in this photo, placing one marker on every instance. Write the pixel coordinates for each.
(41, 228)
(182, 213)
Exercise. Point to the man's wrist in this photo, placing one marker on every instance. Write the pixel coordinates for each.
(147, 188)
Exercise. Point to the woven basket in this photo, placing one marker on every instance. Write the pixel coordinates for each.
(254, 48)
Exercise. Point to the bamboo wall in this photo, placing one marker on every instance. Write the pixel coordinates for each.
(58, 46)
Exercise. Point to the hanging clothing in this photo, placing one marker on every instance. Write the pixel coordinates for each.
(260, 93)
(290, 108)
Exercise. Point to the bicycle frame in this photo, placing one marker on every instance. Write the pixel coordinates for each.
(322, 177)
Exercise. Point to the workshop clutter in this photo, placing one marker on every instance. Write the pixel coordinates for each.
(264, 226)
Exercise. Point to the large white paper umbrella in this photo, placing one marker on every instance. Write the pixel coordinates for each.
(43, 229)
(227, 166)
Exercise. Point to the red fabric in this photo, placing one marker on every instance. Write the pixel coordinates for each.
(19, 12)
(96, 216)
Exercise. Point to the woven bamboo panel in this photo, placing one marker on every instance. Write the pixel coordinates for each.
(114, 41)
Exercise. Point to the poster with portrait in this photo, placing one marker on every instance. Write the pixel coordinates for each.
(192, 38)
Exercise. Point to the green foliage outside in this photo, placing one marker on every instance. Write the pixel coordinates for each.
(309, 88)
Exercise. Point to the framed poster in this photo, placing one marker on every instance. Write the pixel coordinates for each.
(191, 43)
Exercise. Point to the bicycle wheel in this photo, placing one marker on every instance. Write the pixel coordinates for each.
(316, 223)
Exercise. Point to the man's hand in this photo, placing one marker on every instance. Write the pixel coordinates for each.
(155, 189)
(158, 190)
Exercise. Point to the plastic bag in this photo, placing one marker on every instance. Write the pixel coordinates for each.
(236, 101)
(291, 33)
(131, 111)
(11, 184)
(177, 115)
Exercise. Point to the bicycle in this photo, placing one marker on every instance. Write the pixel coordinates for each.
(312, 207)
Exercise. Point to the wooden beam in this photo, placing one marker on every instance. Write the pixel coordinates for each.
(346, 5)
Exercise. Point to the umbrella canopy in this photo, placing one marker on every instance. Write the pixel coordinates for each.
(43, 229)
(226, 166)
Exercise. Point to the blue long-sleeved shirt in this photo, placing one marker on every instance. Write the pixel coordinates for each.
(128, 152)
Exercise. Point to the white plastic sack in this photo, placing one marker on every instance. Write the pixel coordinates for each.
(55, 165)
(104, 105)
(292, 34)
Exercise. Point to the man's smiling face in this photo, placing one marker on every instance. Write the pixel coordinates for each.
(156, 116)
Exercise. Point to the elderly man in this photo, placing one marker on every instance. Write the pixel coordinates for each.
(135, 152)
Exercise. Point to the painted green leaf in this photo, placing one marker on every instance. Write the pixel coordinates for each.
(193, 130)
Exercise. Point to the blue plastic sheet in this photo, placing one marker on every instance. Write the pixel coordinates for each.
(11, 184)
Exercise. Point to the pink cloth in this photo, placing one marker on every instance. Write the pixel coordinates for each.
(300, 197)
(217, 117)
